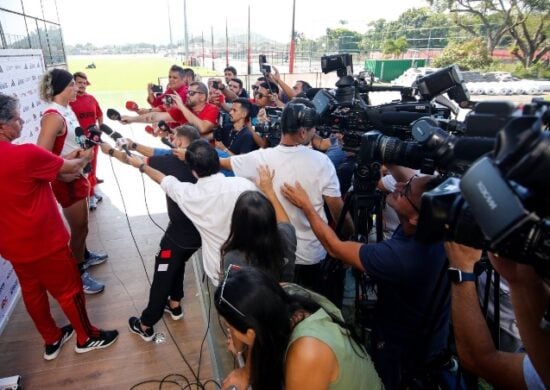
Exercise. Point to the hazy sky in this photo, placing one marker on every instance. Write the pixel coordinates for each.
(104, 22)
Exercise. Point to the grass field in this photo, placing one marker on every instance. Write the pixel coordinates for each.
(117, 79)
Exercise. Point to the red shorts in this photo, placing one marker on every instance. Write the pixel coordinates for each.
(68, 194)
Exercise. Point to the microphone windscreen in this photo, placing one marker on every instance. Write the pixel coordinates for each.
(131, 106)
(149, 129)
(106, 129)
(79, 132)
(163, 126)
(113, 114)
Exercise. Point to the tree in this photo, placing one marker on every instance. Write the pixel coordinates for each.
(525, 20)
(467, 55)
(344, 40)
(396, 47)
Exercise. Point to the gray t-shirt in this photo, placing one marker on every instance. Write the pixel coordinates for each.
(288, 237)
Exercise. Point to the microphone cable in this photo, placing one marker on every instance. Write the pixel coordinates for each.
(196, 377)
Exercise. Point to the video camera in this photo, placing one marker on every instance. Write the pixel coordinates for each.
(501, 202)
(346, 111)
(272, 129)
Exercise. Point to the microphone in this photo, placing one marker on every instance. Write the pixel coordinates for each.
(164, 127)
(81, 139)
(115, 136)
(132, 106)
(113, 114)
(150, 130)
(166, 142)
(94, 135)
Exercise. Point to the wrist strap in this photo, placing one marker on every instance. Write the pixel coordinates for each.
(142, 167)
(111, 152)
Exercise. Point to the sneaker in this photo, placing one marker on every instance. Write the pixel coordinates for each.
(52, 350)
(100, 181)
(176, 313)
(93, 258)
(134, 324)
(98, 198)
(106, 338)
(93, 203)
(90, 285)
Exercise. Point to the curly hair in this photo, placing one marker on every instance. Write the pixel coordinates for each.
(46, 87)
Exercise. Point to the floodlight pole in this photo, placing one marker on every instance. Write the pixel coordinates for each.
(170, 24)
(292, 40)
(185, 29)
(212, 50)
(226, 44)
(248, 58)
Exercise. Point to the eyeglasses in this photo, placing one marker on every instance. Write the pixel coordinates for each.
(222, 299)
(260, 95)
(406, 191)
(192, 93)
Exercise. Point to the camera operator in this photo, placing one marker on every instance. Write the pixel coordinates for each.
(292, 161)
(179, 80)
(239, 139)
(406, 273)
(197, 111)
(476, 350)
(266, 95)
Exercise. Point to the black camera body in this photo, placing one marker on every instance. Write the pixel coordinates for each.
(272, 129)
(157, 89)
(501, 202)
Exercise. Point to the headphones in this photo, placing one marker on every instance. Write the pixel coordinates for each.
(297, 115)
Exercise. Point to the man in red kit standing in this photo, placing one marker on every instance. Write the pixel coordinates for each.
(89, 113)
(41, 257)
(178, 83)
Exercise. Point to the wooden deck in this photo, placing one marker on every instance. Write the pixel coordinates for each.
(130, 360)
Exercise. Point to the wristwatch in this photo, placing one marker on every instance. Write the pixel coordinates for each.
(458, 276)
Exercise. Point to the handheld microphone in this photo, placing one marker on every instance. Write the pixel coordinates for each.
(94, 135)
(115, 135)
(150, 130)
(132, 106)
(113, 114)
(166, 142)
(81, 139)
(164, 127)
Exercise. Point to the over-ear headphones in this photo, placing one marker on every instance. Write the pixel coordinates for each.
(297, 115)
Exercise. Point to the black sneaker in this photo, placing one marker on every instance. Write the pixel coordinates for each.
(134, 324)
(176, 313)
(105, 339)
(52, 350)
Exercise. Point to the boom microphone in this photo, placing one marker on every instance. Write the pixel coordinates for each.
(113, 114)
(115, 135)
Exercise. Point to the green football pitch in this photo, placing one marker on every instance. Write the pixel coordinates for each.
(117, 79)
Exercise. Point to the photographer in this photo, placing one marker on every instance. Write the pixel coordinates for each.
(299, 88)
(292, 161)
(239, 139)
(476, 350)
(179, 80)
(266, 95)
(197, 111)
(406, 273)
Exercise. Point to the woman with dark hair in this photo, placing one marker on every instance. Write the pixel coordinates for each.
(261, 217)
(294, 338)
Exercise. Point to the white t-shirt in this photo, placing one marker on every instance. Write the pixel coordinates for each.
(209, 205)
(315, 173)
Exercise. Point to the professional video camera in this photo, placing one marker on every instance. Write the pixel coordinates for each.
(346, 109)
(501, 202)
(272, 129)
(432, 148)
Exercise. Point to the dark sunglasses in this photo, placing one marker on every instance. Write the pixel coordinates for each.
(192, 93)
(406, 191)
(222, 299)
(260, 95)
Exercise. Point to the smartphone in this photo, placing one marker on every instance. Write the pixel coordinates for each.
(167, 100)
(216, 84)
(264, 66)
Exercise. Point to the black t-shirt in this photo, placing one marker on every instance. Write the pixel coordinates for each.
(181, 227)
(241, 142)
